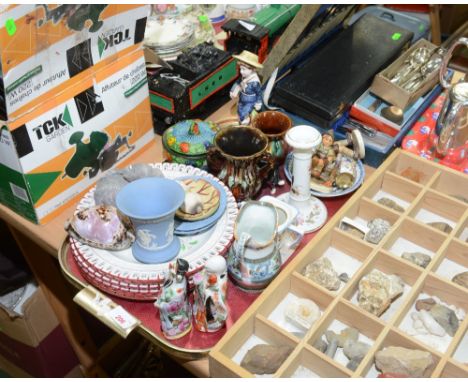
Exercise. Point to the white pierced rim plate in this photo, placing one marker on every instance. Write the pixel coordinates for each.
(128, 278)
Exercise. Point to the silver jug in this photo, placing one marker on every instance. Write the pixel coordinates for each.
(452, 123)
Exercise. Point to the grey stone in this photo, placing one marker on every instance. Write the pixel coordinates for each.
(332, 347)
(320, 345)
(321, 271)
(442, 226)
(265, 359)
(390, 203)
(353, 364)
(425, 304)
(344, 277)
(355, 349)
(395, 359)
(461, 279)
(377, 230)
(418, 258)
(348, 334)
(446, 318)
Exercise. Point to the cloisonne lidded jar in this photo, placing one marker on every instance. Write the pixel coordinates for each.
(187, 142)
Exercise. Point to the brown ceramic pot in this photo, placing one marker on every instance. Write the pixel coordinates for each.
(240, 159)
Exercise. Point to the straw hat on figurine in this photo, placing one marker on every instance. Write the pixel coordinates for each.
(248, 58)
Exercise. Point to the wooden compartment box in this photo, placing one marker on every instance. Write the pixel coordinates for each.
(427, 192)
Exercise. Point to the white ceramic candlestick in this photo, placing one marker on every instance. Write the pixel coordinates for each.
(313, 214)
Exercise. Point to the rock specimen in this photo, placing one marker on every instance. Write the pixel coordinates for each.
(412, 174)
(353, 364)
(424, 323)
(321, 271)
(356, 350)
(265, 359)
(461, 279)
(377, 290)
(332, 347)
(395, 359)
(418, 258)
(390, 203)
(446, 318)
(344, 277)
(320, 345)
(442, 226)
(302, 312)
(377, 230)
(425, 304)
(348, 334)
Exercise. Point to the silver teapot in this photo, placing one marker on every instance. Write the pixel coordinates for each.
(452, 123)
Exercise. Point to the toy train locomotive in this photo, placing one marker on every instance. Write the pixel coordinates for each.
(258, 34)
(197, 78)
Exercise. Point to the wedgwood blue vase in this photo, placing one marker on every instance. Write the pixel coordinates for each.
(151, 204)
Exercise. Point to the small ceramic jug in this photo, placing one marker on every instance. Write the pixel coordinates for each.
(209, 303)
(254, 258)
(173, 304)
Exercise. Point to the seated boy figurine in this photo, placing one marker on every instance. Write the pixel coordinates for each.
(248, 88)
(323, 160)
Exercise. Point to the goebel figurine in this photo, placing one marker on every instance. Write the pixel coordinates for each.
(248, 88)
(173, 304)
(209, 301)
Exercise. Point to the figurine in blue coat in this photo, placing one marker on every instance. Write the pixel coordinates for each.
(248, 88)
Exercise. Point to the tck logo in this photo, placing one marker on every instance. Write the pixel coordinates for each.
(112, 39)
(50, 126)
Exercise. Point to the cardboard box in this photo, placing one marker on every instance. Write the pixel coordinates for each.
(54, 152)
(34, 341)
(44, 46)
(394, 94)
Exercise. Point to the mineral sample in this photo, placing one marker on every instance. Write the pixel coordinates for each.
(377, 290)
(344, 277)
(424, 323)
(353, 364)
(332, 347)
(377, 230)
(442, 226)
(348, 334)
(412, 174)
(461, 279)
(395, 359)
(355, 350)
(390, 203)
(302, 312)
(321, 271)
(265, 359)
(425, 304)
(320, 345)
(446, 318)
(420, 259)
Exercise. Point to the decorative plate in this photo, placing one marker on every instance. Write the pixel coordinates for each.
(118, 272)
(360, 172)
(208, 194)
(184, 228)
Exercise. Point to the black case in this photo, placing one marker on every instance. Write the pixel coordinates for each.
(335, 76)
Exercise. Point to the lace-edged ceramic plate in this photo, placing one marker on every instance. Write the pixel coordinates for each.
(119, 273)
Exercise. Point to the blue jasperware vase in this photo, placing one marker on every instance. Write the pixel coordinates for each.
(151, 204)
